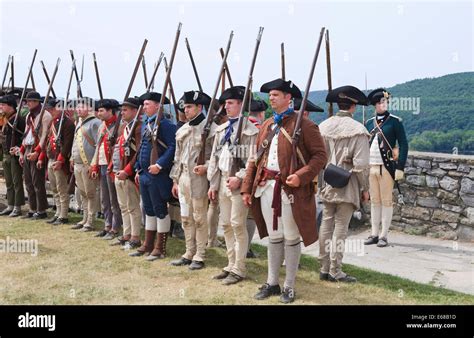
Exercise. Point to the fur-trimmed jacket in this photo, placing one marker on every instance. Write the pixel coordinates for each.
(347, 146)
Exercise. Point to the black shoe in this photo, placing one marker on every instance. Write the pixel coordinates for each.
(382, 242)
(29, 214)
(196, 265)
(15, 213)
(345, 279)
(323, 276)
(120, 241)
(77, 226)
(267, 290)
(222, 275)
(52, 220)
(38, 216)
(232, 278)
(6, 212)
(102, 233)
(288, 295)
(371, 240)
(136, 253)
(129, 245)
(251, 254)
(181, 261)
(60, 221)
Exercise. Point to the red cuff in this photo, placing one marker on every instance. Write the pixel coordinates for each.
(95, 168)
(61, 158)
(42, 156)
(38, 149)
(128, 169)
(22, 149)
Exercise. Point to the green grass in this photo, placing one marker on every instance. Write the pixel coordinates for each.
(76, 268)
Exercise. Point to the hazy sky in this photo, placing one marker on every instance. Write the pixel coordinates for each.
(392, 42)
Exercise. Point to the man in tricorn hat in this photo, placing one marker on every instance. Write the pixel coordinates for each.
(275, 195)
(83, 149)
(122, 165)
(31, 148)
(387, 161)
(153, 175)
(226, 187)
(190, 183)
(107, 112)
(56, 153)
(348, 148)
(11, 143)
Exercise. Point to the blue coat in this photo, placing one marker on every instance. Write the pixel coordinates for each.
(166, 136)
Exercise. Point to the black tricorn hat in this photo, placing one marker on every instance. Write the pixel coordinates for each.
(33, 96)
(347, 94)
(16, 92)
(107, 104)
(232, 93)
(8, 99)
(153, 96)
(310, 106)
(51, 102)
(378, 94)
(133, 102)
(282, 85)
(258, 106)
(194, 97)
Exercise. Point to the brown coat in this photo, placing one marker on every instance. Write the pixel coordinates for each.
(313, 149)
(67, 136)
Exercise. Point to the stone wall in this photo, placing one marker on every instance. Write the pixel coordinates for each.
(438, 193)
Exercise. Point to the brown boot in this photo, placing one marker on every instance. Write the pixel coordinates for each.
(159, 252)
(147, 245)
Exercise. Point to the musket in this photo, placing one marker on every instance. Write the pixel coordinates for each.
(126, 143)
(173, 98)
(282, 51)
(113, 136)
(210, 115)
(97, 76)
(237, 162)
(363, 107)
(12, 72)
(58, 136)
(227, 71)
(328, 65)
(6, 71)
(79, 90)
(23, 93)
(43, 107)
(193, 64)
(47, 77)
(223, 81)
(297, 131)
(144, 72)
(155, 149)
(33, 82)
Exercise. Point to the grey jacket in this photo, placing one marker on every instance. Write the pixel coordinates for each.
(86, 129)
(347, 146)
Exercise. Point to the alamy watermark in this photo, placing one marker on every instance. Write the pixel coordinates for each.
(398, 103)
(355, 246)
(12, 245)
